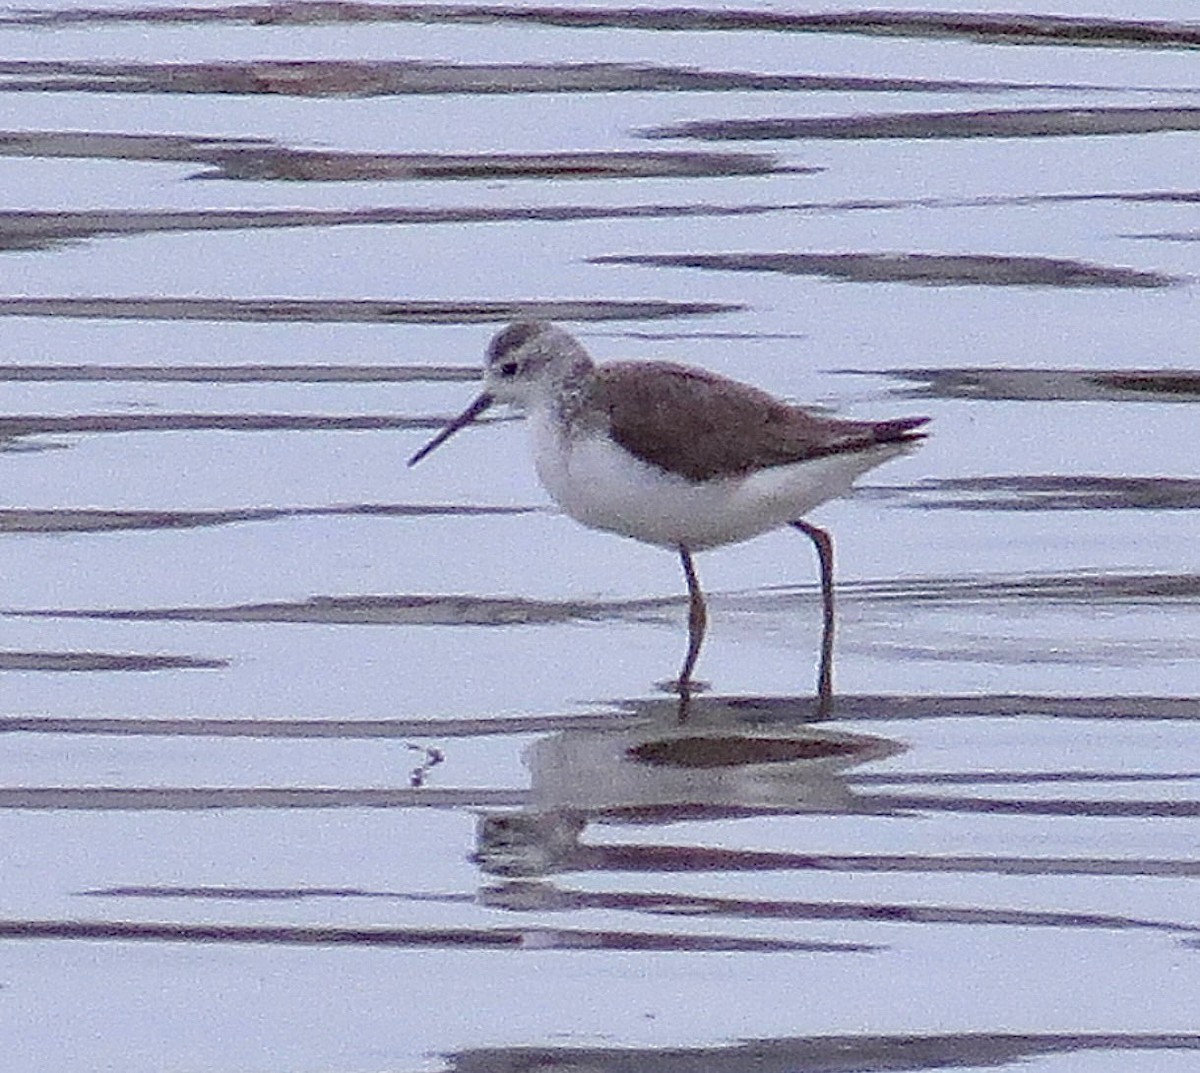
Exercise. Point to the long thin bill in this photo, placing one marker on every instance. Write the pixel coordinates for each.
(461, 421)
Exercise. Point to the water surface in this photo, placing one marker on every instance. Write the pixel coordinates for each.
(313, 762)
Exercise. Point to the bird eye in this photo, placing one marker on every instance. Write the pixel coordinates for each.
(508, 368)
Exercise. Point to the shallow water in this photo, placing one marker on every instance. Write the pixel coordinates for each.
(309, 764)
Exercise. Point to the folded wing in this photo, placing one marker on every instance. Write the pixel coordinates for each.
(702, 426)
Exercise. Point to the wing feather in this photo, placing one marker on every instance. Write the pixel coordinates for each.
(704, 426)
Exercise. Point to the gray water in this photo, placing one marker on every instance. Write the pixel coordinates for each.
(316, 763)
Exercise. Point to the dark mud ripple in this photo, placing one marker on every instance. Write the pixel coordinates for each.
(751, 711)
(997, 123)
(826, 1054)
(35, 230)
(859, 912)
(103, 661)
(44, 230)
(658, 859)
(243, 374)
(406, 610)
(531, 938)
(450, 609)
(316, 166)
(374, 78)
(988, 270)
(259, 159)
(67, 520)
(352, 311)
(1054, 492)
(199, 798)
(989, 27)
(1167, 236)
(13, 430)
(1089, 588)
(1052, 385)
(16, 432)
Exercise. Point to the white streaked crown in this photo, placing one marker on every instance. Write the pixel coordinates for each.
(530, 360)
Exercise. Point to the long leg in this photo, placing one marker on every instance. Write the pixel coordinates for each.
(697, 621)
(824, 545)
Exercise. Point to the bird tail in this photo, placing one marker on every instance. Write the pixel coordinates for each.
(900, 430)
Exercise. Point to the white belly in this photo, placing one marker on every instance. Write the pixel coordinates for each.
(602, 486)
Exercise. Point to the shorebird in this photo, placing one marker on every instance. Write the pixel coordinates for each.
(678, 457)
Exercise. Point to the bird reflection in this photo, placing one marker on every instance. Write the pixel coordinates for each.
(723, 763)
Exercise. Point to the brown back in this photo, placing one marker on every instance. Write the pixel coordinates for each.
(702, 426)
